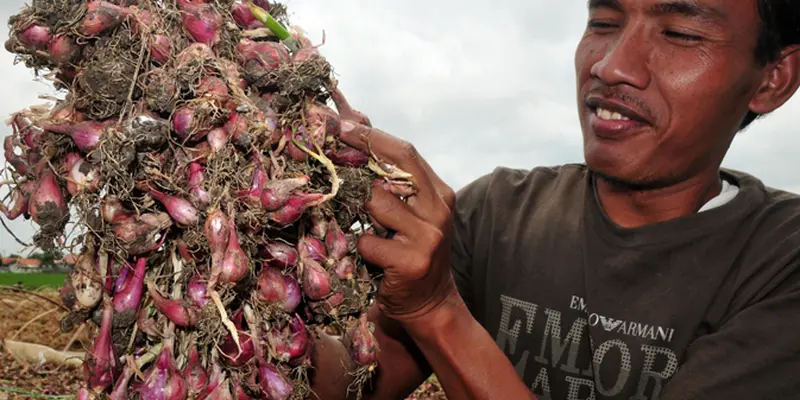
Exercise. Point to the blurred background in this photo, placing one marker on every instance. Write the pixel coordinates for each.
(472, 86)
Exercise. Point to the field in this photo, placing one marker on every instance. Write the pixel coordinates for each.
(32, 315)
(32, 281)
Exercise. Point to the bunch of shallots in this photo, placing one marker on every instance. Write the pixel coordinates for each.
(211, 205)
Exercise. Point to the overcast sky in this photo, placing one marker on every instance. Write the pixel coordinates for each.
(473, 86)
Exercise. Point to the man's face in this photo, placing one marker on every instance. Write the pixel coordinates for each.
(663, 85)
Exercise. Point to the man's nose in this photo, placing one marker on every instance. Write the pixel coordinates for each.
(625, 60)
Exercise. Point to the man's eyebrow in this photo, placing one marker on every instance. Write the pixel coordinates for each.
(688, 8)
(612, 4)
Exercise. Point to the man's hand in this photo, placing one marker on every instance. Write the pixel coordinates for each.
(418, 290)
(416, 260)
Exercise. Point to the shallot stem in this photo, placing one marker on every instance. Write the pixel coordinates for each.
(270, 22)
(335, 181)
(224, 316)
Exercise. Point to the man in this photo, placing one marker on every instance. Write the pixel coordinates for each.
(647, 273)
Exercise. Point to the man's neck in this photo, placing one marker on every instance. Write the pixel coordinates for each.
(631, 208)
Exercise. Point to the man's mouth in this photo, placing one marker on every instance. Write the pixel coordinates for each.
(607, 109)
(608, 115)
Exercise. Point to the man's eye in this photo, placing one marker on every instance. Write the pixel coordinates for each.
(601, 25)
(683, 36)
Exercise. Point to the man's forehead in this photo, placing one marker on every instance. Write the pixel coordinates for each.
(703, 9)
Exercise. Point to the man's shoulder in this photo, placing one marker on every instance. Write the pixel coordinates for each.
(773, 204)
(506, 183)
(770, 237)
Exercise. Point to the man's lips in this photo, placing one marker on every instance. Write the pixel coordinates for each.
(596, 102)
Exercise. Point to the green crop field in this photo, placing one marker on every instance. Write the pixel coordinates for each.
(32, 281)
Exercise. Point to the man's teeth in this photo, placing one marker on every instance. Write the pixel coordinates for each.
(611, 115)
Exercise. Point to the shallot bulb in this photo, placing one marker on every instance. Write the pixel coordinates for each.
(309, 246)
(217, 138)
(185, 124)
(35, 37)
(181, 210)
(197, 193)
(127, 300)
(47, 205)
(280, 254)
(63, 49)
(336, 241)
(294, 208)
(163, 380)
(244, 17)
(235, 264)
(120, 391)
(83, 176)
(236, 127)
(83, 289)
(347, 156)
(160, 49)
(323, 122)
(101, 16)
(273, 383)
(316, 280)
(182, 313)
(217, 232)
(319, 224)
(194, 374)
(276, 288)
(110, 208)
(292, 343)
(213, 88)
(201, 21)
(329, 305)
(258, 59)
(139, 235)
(276, 193)
(100, 366)
(345, 268)
(196, 290)
(260, 179)
(293, 150)
(363, 344)
(85, 134)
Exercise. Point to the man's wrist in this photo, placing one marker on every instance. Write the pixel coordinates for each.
(438, 319)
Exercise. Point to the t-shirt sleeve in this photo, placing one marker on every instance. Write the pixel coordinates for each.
(466, 220)
(753, 355)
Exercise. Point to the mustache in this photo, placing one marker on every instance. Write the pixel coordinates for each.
(618, 94)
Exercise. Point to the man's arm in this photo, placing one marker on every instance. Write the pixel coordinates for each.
(401, 366)
(466, 359)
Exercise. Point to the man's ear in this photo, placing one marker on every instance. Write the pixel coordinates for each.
(780, 83)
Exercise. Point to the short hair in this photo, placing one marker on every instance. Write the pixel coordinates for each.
(780, 28)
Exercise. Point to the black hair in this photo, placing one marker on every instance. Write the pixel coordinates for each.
(780, 28)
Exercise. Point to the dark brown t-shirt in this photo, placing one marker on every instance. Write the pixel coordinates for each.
(701, 307)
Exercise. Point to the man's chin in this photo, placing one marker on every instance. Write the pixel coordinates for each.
(625, 174)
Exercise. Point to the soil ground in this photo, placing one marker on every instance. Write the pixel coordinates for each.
(33, 317)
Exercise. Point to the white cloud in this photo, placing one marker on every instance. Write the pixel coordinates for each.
(472, 84)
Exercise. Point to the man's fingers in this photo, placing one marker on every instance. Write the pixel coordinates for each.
(389, 254)
(391, 212)
(346, 111)
(394, 151)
